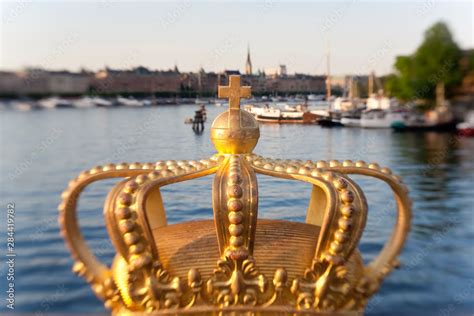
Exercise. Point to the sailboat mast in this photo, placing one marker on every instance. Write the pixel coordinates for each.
(328, 79)
(328, 74)
(370, 86)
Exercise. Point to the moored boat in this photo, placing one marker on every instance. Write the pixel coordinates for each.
(24, 105)
(54, 102)
(84, 102)
(351, 119)
(130, 102)
(381, 118)
(440, 119)
(330, 119)
(101, 102)
(466, 128)
(274, 115)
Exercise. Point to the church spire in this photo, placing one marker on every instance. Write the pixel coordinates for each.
(248, 65)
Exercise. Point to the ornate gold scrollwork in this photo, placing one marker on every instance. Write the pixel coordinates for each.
(335, 280)
(235, 202)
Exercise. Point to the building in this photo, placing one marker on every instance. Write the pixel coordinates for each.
(141, 80)
(137, 80)
(42, 82)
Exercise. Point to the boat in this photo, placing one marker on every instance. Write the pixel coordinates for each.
(315, 97)
(55, 103)
(269, 114)
(378, 118)
(283, 117)
(351, 119)
(439, 119)
(331, 120)
(102, 103)
(84, 102)
(130, 102)
(24, 105)
(466, 128)
(295, 108)
(329, 117)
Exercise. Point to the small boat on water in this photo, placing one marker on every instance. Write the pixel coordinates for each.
(102, 103)
(351, 119)
(24, 105)
(314, 97)
(130, 102)
(55, 103)
(466, 128)
(378, 118)
(274, 115)
(84, 103)
(332, 120)
(440, 119)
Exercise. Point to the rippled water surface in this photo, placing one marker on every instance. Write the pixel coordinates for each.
(42, 150)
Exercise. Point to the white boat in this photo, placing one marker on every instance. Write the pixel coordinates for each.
(380, 118)
(84, 103)
(101, 102)
(466, 128)
(130, 102)
(344, 104)
(24, 106)
(295, 108)
(275, 115)
(440, 119)
(351, 119)
(254, 110)
(314, 97)
(55, 102)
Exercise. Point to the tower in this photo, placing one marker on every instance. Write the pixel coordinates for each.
(248, 64)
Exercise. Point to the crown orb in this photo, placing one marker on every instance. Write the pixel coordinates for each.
(235, 133)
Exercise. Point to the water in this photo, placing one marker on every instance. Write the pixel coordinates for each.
(43, 150)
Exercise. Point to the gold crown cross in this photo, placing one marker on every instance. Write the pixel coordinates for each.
(234, 131)
(234, 92)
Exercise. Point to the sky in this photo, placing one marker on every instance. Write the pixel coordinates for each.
(362, 36)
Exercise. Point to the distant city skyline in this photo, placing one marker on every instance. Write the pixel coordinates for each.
(362, 36)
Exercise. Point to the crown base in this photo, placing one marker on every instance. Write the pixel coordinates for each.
(282, 310)
(193, 245)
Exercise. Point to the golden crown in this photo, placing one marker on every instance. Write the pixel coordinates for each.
(237, 262)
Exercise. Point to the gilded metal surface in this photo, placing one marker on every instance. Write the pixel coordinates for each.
(238, 263)
(234, 131)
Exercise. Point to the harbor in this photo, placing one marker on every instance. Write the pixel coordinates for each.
(257, 158)
(437, 167)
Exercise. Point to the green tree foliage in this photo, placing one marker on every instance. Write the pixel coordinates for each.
(435, 60)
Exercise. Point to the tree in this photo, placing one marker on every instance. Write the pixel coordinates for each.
(434, 62)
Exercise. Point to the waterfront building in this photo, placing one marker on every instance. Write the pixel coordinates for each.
(137, 80)
(39, 81)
